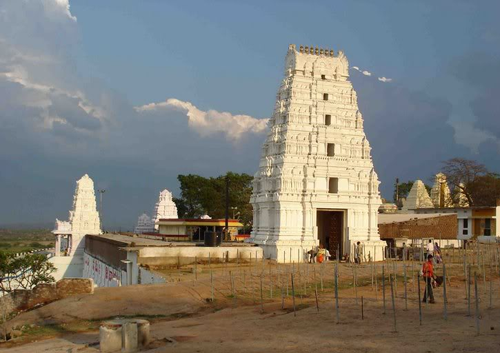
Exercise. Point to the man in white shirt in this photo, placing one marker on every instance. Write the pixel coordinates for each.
(430, 248)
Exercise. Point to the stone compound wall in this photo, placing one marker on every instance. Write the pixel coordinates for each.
(444, 227)
(21, 300)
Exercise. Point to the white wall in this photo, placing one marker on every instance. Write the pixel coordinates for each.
(148, 277)
(102, 273)
(67, 266)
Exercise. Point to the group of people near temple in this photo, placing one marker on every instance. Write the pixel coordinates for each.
(432, 255)
(320, 254)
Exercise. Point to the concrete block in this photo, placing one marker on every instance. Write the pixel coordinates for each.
(130, 337)
(144, 336)
(110, 337)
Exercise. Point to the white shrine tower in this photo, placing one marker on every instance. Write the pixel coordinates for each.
(316, 184)
(83, 219)
(165, 208)
(144, 224)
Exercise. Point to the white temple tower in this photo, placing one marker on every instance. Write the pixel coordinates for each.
(418, 197)
(83, 220)
(165, 208)
(84, 217)
(316, 184)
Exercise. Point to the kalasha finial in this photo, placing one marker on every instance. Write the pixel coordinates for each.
(321, 51)
(316, 51)
(307, 49)
(301, 49)
(332, 52)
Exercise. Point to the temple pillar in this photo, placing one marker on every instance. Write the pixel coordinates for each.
(58, 245)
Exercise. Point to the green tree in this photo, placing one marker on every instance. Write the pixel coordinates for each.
(201, 195)
(24, 272)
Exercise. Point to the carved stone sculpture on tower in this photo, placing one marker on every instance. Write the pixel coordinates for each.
(440, 192)
(418, 197)
(165, 208)
(316, 184)
(462, 200)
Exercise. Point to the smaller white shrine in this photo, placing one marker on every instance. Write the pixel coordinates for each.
(165, 208)
(418, 197)
(144, 224)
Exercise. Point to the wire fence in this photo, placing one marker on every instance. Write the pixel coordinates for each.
(388, 284)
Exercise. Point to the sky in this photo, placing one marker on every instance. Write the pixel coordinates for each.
(135, 93)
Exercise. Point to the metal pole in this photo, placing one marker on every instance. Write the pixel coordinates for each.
(419, 300)
(227, 209)
(293, 297)
(261, 296)
(316, 295)
(393, 304)
(212, 285)
(406, 291)
(336, 293)
(445, 308)
(477, 302)
(362, 309)
(355, 284)
(101, 191)
(383, 287)
(468, 292)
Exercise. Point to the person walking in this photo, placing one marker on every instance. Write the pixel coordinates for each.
(430, 248)
(358, 253)
(428, 275)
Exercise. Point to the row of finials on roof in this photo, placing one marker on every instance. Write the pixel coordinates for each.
(316, 51)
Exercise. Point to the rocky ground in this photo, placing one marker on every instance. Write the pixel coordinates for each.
(185, 320)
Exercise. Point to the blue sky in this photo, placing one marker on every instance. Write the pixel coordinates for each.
(73, 78)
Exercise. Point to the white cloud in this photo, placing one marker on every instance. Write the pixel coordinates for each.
(368, 73)
(468, 135)
(385, 79)
(59, 6)
(210, 122)
(36, 37)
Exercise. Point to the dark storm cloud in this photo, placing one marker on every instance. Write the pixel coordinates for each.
(408, 131)
(481, 71)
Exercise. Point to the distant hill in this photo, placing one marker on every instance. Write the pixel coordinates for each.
(27, 226)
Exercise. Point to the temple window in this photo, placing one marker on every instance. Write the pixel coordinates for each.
(328, 119)
(330, 149)
(333, 185)
(323, 77)
(325, 96)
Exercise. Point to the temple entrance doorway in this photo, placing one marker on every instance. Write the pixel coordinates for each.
(330, 225)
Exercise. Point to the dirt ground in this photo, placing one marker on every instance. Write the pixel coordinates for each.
(184, 321)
